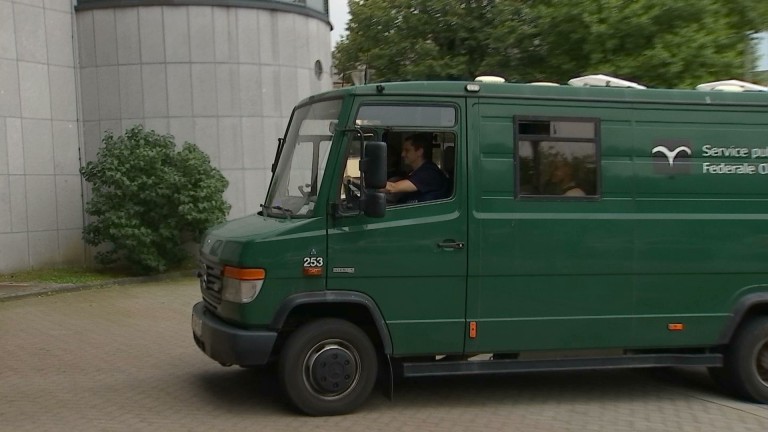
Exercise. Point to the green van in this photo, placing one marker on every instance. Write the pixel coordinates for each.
(584, 228)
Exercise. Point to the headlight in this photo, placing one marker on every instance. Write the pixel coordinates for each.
(241, 285)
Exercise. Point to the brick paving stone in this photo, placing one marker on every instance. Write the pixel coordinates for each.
(122, 359)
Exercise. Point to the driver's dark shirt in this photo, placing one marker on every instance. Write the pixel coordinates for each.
(431, 184)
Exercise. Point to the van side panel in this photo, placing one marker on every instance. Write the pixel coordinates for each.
(658, 247)
(548, 273)
(702, 237)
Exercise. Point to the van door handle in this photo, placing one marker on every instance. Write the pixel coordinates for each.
(450, 244)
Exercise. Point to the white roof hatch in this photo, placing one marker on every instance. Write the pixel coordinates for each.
(731, 85)
(603, 81)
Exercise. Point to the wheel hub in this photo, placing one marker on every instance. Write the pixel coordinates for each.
(333, 370)
(762, 363)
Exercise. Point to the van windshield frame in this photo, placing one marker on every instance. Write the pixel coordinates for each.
(303, 159)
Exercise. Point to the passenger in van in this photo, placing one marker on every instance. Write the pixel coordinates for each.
(562, 176)
(426, 181)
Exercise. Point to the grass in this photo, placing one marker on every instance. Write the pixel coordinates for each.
(64, 275)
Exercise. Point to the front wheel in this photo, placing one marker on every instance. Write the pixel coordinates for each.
(746, 361)
(328, 367)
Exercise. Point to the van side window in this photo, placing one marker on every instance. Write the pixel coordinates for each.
(421, 152)
(426, 159)
(557, 157)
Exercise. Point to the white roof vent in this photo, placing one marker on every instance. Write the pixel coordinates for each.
(544, 83)
(731, 85)
(490, 79)
(603, 81)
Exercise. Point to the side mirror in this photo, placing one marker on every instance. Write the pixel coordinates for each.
(374, 203)
(373, 165)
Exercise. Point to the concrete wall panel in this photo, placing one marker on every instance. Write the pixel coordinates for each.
(71, 248)
(225, 35)
(201, 37)
(253, 139)
(89, 94)
(109, 92)
(38, 146)
(3, 149)
(7, 33)
(155, 90)
(43, 248)
(131, 92)
(248, 36)
(69, 204)
(30, 34)
(128, 39)
(58, 32)
(15, 143)
(5, 204)
(58, 5)
(14, 252)
(41, 203)
(63, 93)
(183, 129)
(230, 143)
(179, 90)
(204, 99)
(176, 34)
(250, 90)
(34, 90)
(85, 40)
(268, 49)
(151, 34)
(18, 186)
(10, 102)
(207, 137)
(66, 148)
(228, 89)
(105, 35)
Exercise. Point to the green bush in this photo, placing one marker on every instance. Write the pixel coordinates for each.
(148, 199)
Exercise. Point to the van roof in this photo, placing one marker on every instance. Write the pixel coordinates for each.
(563, 92)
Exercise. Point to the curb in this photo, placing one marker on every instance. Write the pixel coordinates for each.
(39, 290)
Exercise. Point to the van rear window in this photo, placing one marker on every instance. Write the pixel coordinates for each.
(557, 158)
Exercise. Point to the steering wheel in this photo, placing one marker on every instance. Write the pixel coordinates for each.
(304, 192)
(352, 190)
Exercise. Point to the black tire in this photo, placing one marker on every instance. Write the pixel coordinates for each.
(328, 367)
(746, 362)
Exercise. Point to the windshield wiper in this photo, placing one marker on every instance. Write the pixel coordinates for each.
(287, 212)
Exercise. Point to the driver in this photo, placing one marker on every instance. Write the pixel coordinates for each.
(426, 181)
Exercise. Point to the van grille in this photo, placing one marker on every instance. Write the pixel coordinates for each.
(210, 283)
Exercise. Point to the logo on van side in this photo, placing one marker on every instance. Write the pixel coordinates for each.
(671, 156)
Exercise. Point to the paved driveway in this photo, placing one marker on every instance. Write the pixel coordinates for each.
(123, 359)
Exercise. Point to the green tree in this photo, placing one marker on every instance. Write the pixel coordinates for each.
(148, 198)
(659, 43)
(416, 39)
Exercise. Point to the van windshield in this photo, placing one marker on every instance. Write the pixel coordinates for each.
(299, 173)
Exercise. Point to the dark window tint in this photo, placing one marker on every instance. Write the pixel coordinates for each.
(557, 158)
(406, 116)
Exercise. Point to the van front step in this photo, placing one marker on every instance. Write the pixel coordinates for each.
(478, 367)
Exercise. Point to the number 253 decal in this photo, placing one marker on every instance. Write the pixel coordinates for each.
(313, 266)
(313, 262)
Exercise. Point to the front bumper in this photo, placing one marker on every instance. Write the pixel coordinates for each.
(230, 345)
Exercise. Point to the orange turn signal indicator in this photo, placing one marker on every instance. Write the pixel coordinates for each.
(245, 273)
(472, 329)
(675, 326)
